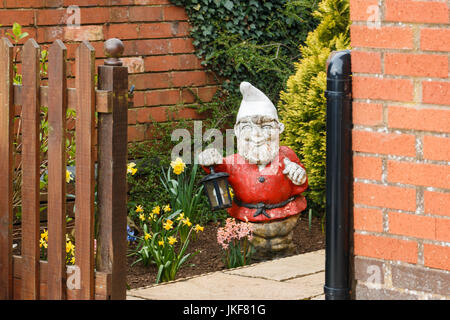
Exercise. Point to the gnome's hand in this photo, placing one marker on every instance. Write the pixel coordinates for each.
(210, 157)
(294, 172)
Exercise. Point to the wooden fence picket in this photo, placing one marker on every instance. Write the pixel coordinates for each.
(31, 165)
(6, 168)
(84, 170)
(57, 106)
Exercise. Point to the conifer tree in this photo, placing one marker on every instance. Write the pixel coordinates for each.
(302, 106)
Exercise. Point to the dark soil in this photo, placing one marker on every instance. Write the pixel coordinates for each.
(210, 257)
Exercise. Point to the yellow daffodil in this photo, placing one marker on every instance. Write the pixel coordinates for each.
(161, 242)
(181, 216)
(172, 240)
(68, 176)
(131, 169)
(168, 224)
(167, 208)
(44, 235)
(187, 222)
(43, 243)
(142, 217)
(139, 209)
(69, 246)
(156, 210)
(178, 166)
(147, 236)
(198, 228)
(72, 261)
(151, 216)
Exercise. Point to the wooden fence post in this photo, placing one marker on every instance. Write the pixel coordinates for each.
(112, 158)
(31, 170)
(57, 107)
(6, 168)
(84, 169)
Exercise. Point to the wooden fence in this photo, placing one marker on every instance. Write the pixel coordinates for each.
(26, 276)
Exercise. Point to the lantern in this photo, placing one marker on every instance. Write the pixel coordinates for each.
(217, 189)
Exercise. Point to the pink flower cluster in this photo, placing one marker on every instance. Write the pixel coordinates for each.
(233, 230)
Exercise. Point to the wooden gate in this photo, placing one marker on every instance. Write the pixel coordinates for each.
(102, 195)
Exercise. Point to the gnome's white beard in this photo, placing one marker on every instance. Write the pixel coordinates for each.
(258, 154)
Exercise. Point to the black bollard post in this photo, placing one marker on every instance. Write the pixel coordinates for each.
(339, 176)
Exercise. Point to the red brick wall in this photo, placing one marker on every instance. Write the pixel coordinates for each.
(158, 49)
(401, 145)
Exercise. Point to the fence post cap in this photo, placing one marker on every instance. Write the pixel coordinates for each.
(113, 49)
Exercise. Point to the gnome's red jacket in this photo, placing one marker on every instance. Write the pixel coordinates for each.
(269, 186)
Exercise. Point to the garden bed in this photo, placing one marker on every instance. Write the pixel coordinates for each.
(210, 257)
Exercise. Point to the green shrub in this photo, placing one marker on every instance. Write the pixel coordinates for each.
(302, 106)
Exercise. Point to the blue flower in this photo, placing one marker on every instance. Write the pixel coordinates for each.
(130, 234)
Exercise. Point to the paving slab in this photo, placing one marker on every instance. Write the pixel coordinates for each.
(311, 285)
(222, 286)
(293, 278)
(285, 268)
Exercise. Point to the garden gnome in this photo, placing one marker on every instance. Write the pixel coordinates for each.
(267, 179)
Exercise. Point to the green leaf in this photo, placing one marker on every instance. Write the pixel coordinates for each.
(228, 4)
(23, 35)
(158, 276)
(17, 29)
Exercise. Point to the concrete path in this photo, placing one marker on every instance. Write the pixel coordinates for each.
(292, 278)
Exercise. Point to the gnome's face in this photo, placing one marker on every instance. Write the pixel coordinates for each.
(257, 127)
(258, 138)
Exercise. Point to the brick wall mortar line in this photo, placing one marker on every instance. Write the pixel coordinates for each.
(385, 114)
(384, 171)
(417, 87)
(402, 237)
(390, 157)
(397, 50)
(394, 184)
(383, 129)
(416, 37)
(420, 206)
(421, 106)
(399, 77)
(382, 209)
(420, 256)
(385, 220)
(402, 24)
(419, 145)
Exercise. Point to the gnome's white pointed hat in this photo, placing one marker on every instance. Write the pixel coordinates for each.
(255, 103)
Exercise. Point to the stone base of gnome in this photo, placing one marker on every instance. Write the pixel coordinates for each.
(273, 239)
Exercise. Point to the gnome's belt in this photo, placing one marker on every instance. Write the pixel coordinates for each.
(262, 207)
